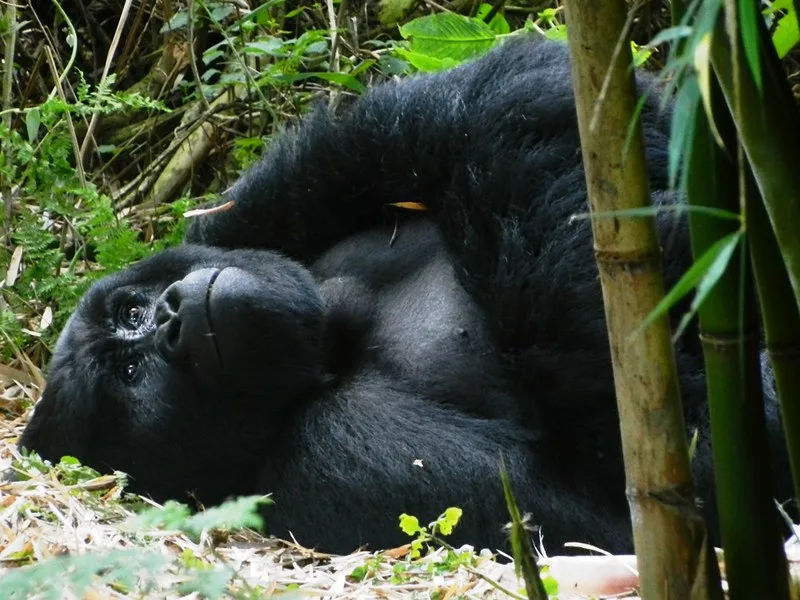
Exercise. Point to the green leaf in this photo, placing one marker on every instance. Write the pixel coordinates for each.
(172, 515)
(343, 79)
(178, 21)
(727, 245)
(267, 45)
(702, 64)
(207, 583)
(410, 524)
(448, 36)
(682, 128)
(449, 519)
(703, 275)
(220, 11)
(787, 33)
(670, 34)
(498, 24)
(748, 26)
(423, 62)
(558, 33)
(32, 122)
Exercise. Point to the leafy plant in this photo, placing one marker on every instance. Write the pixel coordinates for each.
(443, 525)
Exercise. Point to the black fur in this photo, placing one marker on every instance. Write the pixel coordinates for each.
(411, 350)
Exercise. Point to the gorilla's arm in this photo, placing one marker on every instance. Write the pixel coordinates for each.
(400, 453)
(491, 149)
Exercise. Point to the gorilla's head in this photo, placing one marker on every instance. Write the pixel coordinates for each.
(178, 364)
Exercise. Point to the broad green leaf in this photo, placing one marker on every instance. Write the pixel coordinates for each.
(748, 26)
(448, 36)
(498, 24)
(703, 275)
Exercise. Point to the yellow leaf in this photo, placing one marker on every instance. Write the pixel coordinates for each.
(702, 64)
(410, 205)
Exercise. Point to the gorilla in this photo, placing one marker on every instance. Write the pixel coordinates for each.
(321, 342)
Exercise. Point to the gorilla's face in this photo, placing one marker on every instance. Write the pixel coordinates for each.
(178, 364)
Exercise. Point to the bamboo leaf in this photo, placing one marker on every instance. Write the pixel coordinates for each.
(682, 128)
(716, 270)
(653, 210)
(670, 34)
(703, 275)
(748, 27)
(702, 64)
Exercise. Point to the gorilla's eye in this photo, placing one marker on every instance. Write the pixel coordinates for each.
(131, 316)
(130, 371)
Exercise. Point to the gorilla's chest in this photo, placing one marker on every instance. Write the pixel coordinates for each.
(419, 325)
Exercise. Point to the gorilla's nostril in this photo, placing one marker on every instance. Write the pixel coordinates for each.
(171, 335)
(168, 305)
(168, 336)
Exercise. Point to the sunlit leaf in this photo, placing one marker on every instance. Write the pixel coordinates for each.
(702, 64)
(448, 36)
(787, 32)
(409, 524)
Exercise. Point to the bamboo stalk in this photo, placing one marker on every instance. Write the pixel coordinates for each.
(769, 137)
(668, 533)
(754, 556)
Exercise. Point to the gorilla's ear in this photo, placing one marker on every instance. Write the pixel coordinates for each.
(349, 319)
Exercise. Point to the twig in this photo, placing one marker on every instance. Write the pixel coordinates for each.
(70, 125)
(621, 43)
(106, 68)
(73, 35)
(193, 58)
(8, 84)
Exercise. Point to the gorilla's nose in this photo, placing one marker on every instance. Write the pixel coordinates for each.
(182, 324)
